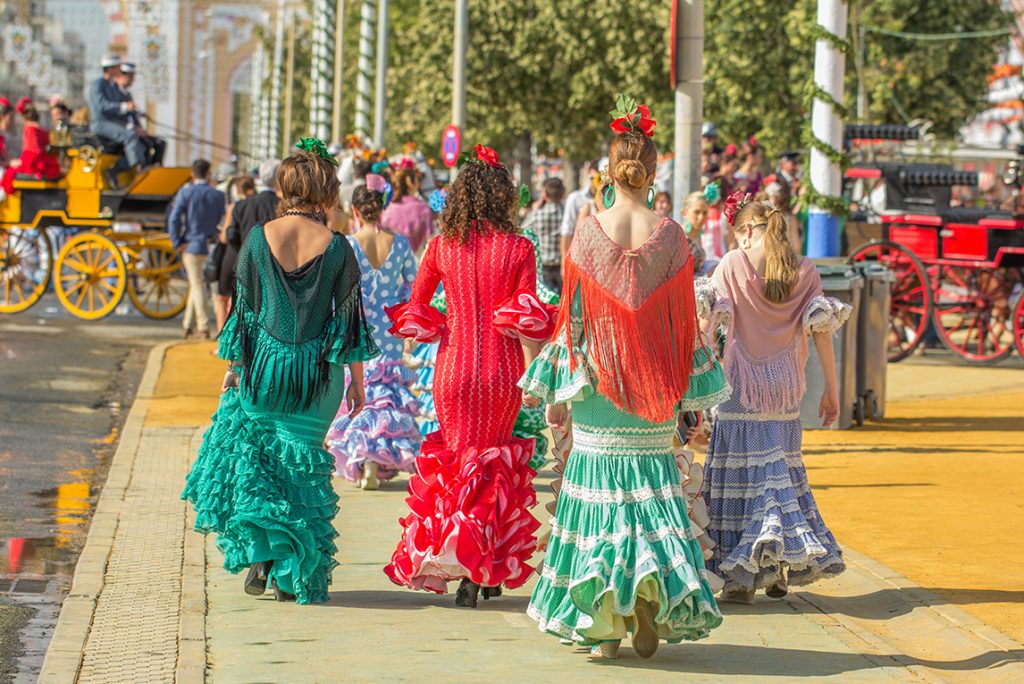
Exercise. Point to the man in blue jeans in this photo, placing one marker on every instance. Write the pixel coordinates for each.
(193, 222)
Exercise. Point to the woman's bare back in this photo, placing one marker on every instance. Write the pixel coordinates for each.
(296, 240)
(628, 226)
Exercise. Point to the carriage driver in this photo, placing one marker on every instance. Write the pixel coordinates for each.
(111, 109)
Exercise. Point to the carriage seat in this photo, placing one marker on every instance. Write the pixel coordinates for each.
(101, 144)
(968, 215)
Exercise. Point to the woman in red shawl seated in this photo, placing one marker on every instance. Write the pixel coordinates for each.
(35, 161)
(470, 495)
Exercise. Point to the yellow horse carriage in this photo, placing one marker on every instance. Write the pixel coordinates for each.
(109, 242)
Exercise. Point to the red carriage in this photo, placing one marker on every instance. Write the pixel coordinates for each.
(958, 270)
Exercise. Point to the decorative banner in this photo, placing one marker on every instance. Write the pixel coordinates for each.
(32, 61)
(144, 13)
(153, 67)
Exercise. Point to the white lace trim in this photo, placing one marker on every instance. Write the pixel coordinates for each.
(758, 417)
(826, 314)
(627, 430)
(704, 403)
(674, 563)
(585, 542)
(636, 445)
(620, 496)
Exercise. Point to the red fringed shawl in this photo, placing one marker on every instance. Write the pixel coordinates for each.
(639, 316)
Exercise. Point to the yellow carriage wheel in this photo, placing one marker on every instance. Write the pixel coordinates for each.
(90, 276)
(157, 284)
(26, 262)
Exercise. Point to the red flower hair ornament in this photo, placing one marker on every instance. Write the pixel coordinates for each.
(23, 105)
(629, 116)
(481, 154)
(734, 203)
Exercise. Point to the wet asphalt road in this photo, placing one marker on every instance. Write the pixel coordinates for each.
(65, 388)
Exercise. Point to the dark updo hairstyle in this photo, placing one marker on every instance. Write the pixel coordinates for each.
(482, 197)
(30, 113)
(6, 109)
(370, 203)
(307, 181)
(632, 159)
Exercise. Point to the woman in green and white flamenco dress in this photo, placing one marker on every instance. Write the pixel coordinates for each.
(262, 480)
(530, 421)
(623, 555)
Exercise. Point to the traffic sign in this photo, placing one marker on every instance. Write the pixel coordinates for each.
(451, 145)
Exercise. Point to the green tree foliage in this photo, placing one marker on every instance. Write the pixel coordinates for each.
(942, 81)
(760, 56)
(551, 69)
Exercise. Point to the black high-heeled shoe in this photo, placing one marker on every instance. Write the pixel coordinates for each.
(280, 595)
(256, 579)
(491, 592)
(466, 596)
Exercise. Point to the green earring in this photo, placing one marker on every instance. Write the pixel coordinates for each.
(650, 197)
(609, 196)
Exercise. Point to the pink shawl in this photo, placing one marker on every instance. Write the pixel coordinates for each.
(766, 347)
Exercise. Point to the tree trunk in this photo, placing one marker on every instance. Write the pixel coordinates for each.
(524, 159)
(571, 173)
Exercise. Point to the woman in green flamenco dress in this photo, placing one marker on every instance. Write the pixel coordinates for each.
(262, 480)
(623, 556)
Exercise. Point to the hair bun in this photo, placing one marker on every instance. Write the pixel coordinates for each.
(631, 172)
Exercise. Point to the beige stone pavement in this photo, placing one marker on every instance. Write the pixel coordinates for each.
(150, 602)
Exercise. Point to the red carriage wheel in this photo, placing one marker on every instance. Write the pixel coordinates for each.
(973, 312)
(1018, 324)
(911, 294)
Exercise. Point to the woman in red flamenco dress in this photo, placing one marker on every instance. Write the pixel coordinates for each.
(35, 161)
(470, 495)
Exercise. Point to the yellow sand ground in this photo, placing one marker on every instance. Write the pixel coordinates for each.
(935, 492)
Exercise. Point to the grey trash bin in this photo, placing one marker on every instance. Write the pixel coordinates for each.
(838, 280)
(873, 338)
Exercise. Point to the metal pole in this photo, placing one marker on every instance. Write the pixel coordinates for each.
(459, 67)
(379, 124)
(256, 104)
(274, 125)
(829, 63)
(689, 101)
(363, 82)
(339, 41)
(289, 87)
(322, 68)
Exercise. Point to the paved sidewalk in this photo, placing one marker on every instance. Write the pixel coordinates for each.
(150, 601)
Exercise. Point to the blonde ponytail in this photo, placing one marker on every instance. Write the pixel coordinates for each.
(781, 268)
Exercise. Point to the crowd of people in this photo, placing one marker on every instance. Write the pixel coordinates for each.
(364, 309)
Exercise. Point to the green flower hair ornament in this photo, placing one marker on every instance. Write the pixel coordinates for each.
(525, 196)
(317, 147)
(380, 167)
(712, 193)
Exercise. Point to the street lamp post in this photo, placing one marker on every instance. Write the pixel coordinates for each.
(688, 73)
(459, 67)
(363, 82)
(379, 123)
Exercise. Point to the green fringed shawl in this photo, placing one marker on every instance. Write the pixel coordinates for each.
(286, 328)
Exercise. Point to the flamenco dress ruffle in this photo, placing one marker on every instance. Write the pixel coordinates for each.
(620, 530)
(385, 432)
(468, 509)
(262, 480)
